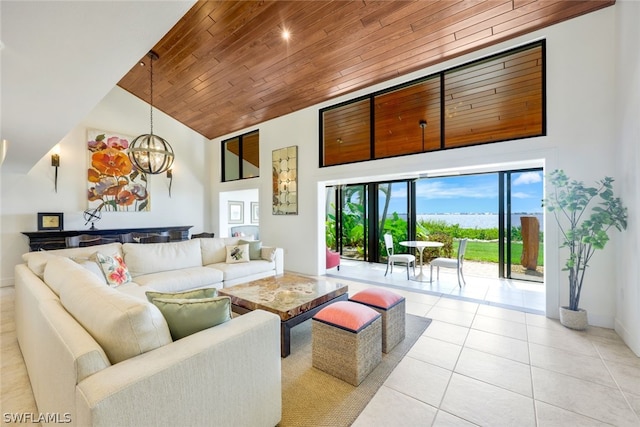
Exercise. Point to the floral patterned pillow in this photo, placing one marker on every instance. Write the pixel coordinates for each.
(114, 269)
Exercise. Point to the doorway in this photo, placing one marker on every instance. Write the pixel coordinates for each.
(490, 209)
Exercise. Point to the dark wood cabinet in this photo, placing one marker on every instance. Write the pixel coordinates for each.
(49, 240)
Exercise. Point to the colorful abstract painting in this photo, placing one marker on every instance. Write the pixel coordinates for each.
(114, 184)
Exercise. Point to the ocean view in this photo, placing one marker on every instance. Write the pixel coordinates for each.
(477, 220)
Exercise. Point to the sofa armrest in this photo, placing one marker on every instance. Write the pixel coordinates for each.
(225, 375)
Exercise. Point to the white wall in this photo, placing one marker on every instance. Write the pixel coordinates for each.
(627, 114)
(581, 133)
(23, 195)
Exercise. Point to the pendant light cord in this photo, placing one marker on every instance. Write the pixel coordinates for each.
(151, 103)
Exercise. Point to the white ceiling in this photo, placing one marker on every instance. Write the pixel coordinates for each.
(58, 59)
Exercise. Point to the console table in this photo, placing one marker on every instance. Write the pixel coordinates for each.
(48, 240)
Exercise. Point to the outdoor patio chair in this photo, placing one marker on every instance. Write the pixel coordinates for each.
(332, 259)
(450, 263)
(392, 257)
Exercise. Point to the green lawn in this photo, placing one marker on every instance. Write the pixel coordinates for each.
(488, 252)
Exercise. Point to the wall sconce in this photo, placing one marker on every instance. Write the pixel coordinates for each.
(170, 177)
(55, 162)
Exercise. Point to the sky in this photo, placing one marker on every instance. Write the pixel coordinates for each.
(472, 194)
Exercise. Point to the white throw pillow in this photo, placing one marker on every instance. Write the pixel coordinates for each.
(237, 253)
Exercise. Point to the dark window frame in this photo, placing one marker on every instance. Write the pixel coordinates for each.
(223, 146)
(440, 75)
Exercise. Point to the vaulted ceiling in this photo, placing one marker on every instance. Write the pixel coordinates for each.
(225, 65)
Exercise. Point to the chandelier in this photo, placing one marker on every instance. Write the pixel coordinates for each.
(151, 153)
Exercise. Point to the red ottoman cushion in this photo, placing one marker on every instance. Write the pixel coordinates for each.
(377, 297)
(347, 315)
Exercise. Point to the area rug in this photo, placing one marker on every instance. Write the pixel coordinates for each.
(311, 397)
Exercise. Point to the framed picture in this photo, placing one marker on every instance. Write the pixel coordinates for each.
(285, 180)
(255, 213)
(113, 183)
(236, 213)
(50, 221)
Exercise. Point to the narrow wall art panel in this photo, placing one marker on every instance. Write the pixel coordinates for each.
(114, 184)
(285, 181)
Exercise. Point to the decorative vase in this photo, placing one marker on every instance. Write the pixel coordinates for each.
(573, 319)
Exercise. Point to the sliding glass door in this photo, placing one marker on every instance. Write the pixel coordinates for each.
(499, 212)
(353, 225)
(393, 216)
(521, 225)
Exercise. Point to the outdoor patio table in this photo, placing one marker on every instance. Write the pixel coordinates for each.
(420, 245)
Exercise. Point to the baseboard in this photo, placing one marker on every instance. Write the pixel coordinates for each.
(631, 341)
(600, 320)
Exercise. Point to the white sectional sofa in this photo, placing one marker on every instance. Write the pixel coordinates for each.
(103, 356)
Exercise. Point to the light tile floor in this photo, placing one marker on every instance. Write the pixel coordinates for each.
(485, 365)
(482, 280)
(476, 364)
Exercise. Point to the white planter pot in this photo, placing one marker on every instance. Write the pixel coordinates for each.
(574, 319)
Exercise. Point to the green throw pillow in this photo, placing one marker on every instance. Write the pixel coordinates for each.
(255, 248)
(196, 293)
(188, 316)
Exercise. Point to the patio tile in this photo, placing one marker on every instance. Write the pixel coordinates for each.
(564, 339)
(500, 327)
(498, 345)
(390, 407)
(420, 380)
(461, 318)
(552, 416)
(593, 400)
(573, 364)
(501, 313)
(417, 308)
(501, 372)
(436, 352)
(486, 404)
(445, 419)
(627, 376)
(447, 332)
(616, 351)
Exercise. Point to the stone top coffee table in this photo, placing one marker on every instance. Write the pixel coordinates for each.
(292, 297)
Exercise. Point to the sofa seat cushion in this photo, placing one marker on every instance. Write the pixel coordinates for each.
(156, 257)
(135, 290)
(181, 280)
(236, 271)
(123, 325)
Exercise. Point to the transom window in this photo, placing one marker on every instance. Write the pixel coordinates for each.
(494, 99)
(241, 157)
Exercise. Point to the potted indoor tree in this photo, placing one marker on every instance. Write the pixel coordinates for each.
(584, 215)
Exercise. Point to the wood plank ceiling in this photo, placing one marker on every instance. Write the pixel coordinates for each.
(225, 65)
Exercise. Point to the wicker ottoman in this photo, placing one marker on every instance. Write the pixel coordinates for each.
(392, 308)
(346, 341)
